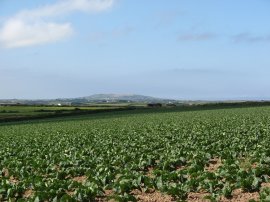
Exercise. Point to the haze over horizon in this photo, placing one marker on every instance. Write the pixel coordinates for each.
(181, 49)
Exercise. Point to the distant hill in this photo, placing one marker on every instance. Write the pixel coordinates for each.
(96, 98)
(123, 97)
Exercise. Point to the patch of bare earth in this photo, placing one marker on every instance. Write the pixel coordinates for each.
(197, 197)
(70, 193)
(153, 196)
(178, 168)
(150, 173)
(104, 198)
(265, 185)
(13, 180)
(57, 168)
(213, 164)
(28, 193)
(80, 179)
(5, 172)
(238, 195)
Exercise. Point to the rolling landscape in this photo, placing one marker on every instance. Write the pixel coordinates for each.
(96, 98)
(126, 101)
(129, 150)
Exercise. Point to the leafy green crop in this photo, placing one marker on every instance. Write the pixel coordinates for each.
(103, 157)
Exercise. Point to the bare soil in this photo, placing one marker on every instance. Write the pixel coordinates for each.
(153, 196)
(239, 195)
(197, 197)
(213, 165)
(28, 193)
(80, 179)
(265, 184)
(5, 172)
(13, 180)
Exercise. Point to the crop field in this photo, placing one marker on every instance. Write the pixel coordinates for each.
(200, 155)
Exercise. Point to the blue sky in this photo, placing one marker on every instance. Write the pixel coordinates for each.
(183, 49)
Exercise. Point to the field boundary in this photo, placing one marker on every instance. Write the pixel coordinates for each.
(135, 110)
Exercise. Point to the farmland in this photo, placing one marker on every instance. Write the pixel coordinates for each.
(219, 155)
(26, 112)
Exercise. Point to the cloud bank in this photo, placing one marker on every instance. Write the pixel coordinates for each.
(38, 26)
(249, 38)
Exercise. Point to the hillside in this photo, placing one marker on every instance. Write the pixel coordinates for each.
(96, 98)
(123, 97)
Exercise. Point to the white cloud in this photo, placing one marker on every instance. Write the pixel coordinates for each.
(34, 27)
(17, 33)
(67, 6)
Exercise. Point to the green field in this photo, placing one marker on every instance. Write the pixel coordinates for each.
(10, 113)
(129, 156)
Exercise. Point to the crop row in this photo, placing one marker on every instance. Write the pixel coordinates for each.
(98, 158)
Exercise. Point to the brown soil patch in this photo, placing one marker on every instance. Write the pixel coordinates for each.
(57, 168)
(80, 179)
(5, 172)
(13, 180)
(265, 184)
(150, 172)
(28, 193)
(197, 197)
(213, 165)
(154, 196)
(180, 167)
(108, 192)
(70, 193)
(104, 198)
(239, 196)
(150, 168)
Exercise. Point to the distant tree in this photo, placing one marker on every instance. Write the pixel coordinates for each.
(154, 105)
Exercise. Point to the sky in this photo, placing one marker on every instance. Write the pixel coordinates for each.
(179, 49)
